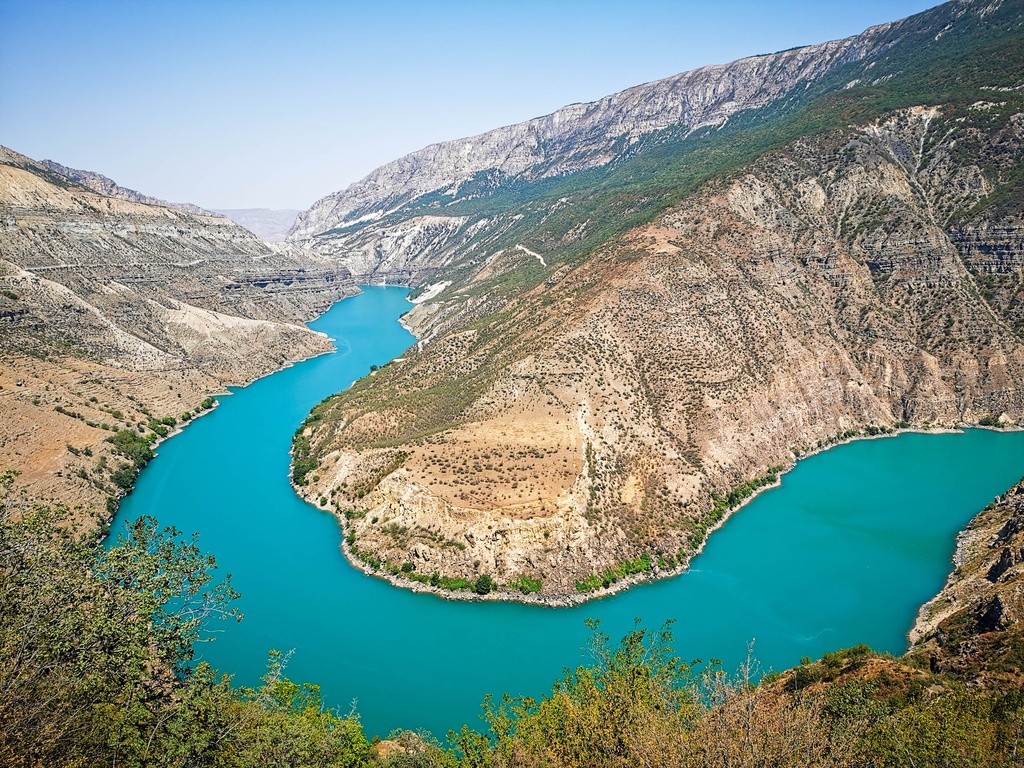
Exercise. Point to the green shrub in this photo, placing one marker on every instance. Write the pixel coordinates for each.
(484, 584)
(526, 585)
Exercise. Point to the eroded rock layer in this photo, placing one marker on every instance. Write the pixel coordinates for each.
(115, 306)
(595, 424)
(971, 628)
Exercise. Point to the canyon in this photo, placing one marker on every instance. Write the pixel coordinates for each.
(614, 355)
(631, 314)
(117, 309)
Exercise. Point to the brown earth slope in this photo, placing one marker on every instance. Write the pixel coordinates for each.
(114, 312)
(594, 426)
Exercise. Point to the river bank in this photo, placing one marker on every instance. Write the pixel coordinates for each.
(657, 573)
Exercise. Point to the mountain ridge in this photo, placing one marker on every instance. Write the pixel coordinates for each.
(117, 312)
(590, 134)
(523, 144)
(106, 186)
(440, 235)
(581, 403)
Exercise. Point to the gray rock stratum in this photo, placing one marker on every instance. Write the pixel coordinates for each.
(111, 305)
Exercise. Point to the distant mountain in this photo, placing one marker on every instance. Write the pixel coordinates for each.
(97, 182)
(636, 309)
(425, 211)
(270, 225)
(583, 136)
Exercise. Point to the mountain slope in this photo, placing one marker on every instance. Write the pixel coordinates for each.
(97, 182)
(585, 407)
(582, 136)
(113, 306)
(971, 629)
(433, 208)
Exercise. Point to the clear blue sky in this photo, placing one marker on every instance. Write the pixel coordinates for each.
(254, 103)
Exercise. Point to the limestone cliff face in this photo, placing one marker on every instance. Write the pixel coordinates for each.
(832, 286)
(817, 256)
(417, 197)
(112, 304)
(135, 284)
(582, 136)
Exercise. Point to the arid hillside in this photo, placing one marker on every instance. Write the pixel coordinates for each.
(971, 629)
(616, 351)
(596, 426)
(116, 313)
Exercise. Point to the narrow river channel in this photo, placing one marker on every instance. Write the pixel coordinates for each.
(844, 552)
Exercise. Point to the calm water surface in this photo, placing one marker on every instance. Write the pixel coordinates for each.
(843, 552)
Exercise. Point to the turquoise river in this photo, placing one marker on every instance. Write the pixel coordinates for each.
(843, 552)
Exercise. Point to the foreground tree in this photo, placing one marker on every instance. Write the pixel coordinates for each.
(632, 706)
(96, 645)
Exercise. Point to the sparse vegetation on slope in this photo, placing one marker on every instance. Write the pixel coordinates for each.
(832, 287)
(115, 311)
(98, 670)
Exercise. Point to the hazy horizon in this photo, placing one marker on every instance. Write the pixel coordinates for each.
(234, 105)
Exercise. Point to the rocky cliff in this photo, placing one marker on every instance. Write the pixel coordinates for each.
(110, 305)
(107, 187)
(972, 627)
(582, 136)
(417, 199)
(578, 415)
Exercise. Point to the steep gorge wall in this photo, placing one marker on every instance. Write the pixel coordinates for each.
(113, 305)
(457, 202)
(582, 136)
(589, 421)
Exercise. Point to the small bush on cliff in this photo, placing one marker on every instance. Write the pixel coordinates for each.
(483, 585)
(303, 462)
(526, 585)
(132, 446)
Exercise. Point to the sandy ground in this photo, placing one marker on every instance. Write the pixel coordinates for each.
(52, 449)
(522, 460)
